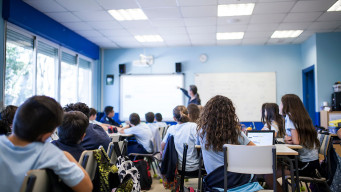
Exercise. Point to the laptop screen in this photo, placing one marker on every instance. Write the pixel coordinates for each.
(262, 137)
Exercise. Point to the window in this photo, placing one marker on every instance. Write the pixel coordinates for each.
(47, 68)
(68, 80)
(19, 68)
(84, 81)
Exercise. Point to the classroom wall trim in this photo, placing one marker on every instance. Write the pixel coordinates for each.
(26, 17)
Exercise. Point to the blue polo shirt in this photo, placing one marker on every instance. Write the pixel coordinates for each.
(95, 136)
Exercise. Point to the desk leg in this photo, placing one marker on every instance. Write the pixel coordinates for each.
(293, 187)
(284, 186)
(297, 176)
(200, 167)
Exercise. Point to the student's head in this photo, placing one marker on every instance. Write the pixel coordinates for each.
(180, 114)
(134, 119)
(158, 117)
(82, 107)
(92, 114)
(219, 123)
(37, 118)
(109, 111)
(150, 117)
(272, 114)
(7, 115)
(72, 130)
(263, 113)
(4, 128)
(292, 106)
(193, 112)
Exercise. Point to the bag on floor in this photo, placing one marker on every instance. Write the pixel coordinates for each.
(145, 176)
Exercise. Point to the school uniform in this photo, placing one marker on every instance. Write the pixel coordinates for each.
(95, 122)
(144, 138)
(273, 126)
(161, 124)
(195, 100)
(185, 133)
(110, 121)
(16, 161)
(75, 150)
(154, 128)
(95, 136)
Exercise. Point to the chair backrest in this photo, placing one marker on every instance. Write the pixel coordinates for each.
(161, 131)
(88, 162)
(35, 181)
(183, 168)
(115, 138)
(324, 144)
(111, 151)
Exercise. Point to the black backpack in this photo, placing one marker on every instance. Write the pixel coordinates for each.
(145, 176)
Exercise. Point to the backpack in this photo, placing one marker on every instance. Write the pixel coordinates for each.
(336, 184)
(145, 176)
(56, 184)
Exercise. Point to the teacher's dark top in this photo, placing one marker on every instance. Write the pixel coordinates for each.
(195, 101)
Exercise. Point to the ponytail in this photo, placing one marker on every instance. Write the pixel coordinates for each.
(180, 113)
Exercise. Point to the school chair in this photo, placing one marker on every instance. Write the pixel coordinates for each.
(35, 181)
(88, 162)
(161, 131)
(250, 160)
(115, 138)
(111, 150)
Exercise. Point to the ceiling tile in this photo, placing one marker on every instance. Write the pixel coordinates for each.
(154, 44)
(135, 24)
(325, 25)
(129, 45)
(80, 5)
(63, 17)
(202, 29)
(108, 45)
(312, 6)
(90, 33)
(255, 41)
(172, 30)
(163, 13)
(203, 42)
(258, 35)
(176, 38)
(178, 43)
(230, 42)
(200, 11)
(122, 39)
(167, 22)
(77, 26)
(274, 7)
(198, 37)
(267, 18)
(280, 41)
(231, 28)
(114, 32)
(201, 21)
(118, 4)
(197, 2)
(262, 27)
(143, 31)
(293, 26)
(302, 17)
(236, 20)
(157, 3)
(45, 5)
(94, 16)
(221, 2)
(99, 39)
(330, 16)
(274, 0)
(100, 25)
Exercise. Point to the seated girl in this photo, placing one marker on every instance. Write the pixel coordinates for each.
(273, 120)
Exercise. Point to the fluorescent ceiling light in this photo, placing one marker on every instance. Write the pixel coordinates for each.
(336, 6)
(128, 14)
(232, 35)
(235, 9)
(286, 34)
(148, 38)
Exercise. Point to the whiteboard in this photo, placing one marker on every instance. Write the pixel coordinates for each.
(248, 91)
(150, 93)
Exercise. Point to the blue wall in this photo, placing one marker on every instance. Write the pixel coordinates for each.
(285, 60)
(2, 46)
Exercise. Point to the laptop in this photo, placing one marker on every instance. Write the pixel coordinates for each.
(262, 137)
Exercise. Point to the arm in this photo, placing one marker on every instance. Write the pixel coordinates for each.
(251, 143)
(185, 92)
(86, 184)
(163, 144)
(339, 133)
(293, 139)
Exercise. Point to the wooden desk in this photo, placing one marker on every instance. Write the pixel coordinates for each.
(120, 134)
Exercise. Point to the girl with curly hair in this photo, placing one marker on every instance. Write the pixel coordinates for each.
(273, 120)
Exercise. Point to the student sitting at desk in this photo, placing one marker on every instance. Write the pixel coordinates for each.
(159, 122)
(92, 119)
(273, 120)
(193, 112)
(25, 149)
(109, 114)
(142, 133)
(155, 131)
(218, 124)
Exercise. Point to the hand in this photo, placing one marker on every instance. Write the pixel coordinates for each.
(178, 87)
(287, 139)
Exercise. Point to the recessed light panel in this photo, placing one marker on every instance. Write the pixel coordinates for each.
(128, 14)
(286, 34)
(148, 38)
(232, 35)
(336, 6)
(235, 9)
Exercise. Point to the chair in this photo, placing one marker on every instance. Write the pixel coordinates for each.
(249, 160)
(88, 162)
(111, 151)
(161, 131)
(35, 181)
(115, 138)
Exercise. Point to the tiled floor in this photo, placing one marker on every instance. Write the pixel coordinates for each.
(158, 187)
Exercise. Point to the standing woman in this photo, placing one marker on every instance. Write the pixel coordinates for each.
(192, 94)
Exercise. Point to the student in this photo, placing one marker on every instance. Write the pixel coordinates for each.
(193, 112)
(273, 120)
(154, 128)
(263, 113)
(95, 136)
(25, 149)
(301, 131)
(142, 133)
(184, 132)
(71, 132)
(192, 94)
(158, 119)
(92, 119)
(109, 114)
(7, 116)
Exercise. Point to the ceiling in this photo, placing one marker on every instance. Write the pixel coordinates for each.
(190, 22)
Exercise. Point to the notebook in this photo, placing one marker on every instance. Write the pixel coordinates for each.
(262, 137)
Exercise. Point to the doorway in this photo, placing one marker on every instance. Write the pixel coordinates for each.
(308, 79)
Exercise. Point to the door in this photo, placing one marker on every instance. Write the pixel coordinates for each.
(308, 76)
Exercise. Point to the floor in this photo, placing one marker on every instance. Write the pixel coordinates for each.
(157, 185)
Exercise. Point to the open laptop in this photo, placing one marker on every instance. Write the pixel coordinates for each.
(262, 137)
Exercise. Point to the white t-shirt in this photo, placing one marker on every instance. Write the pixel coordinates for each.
(143, 136)
(95, 122)
(185, 133)
(274, 126)
(156, 137)
(161, 124)
(305, 154)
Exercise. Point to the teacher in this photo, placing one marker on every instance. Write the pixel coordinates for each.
(192, 94)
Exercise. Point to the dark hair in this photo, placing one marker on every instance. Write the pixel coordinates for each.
(193, 112)
(92, 112)
(180, 113)
(263, 113)
(272, 114)
(108, 109)
(158, 117)
(4, 128)
(219, 123)
(150, 117)
(134, 119)
(82, 107)
(36, 116)
(194, 90)
(7, 116)
(294, 108)
(73, 127)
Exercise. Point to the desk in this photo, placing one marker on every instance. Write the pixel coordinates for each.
(119, 135)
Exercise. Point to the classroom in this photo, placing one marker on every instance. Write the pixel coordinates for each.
(279, 56)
